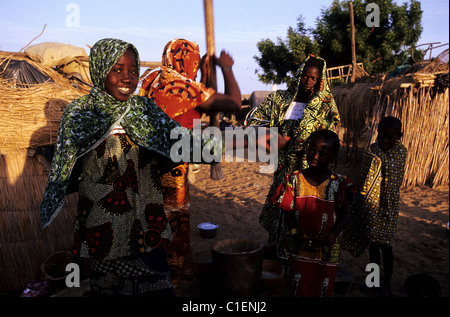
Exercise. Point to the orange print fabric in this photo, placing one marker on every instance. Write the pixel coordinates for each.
(173, 87)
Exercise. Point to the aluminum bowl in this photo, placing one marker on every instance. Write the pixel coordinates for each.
(208, 229)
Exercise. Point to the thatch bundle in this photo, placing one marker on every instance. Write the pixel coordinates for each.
(419, 104)
(24, 245)
(355, 103)
(30, 115)
(29, 118)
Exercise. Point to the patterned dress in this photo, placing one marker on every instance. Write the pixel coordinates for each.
(320, 113)
(174, 89)
(121, 217)
(312, 270)
(374, 215)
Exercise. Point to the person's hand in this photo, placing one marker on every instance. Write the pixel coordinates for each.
(321, 241)
(282, 141)
(264, 140)
(203, 64)
(225, 61)
(301, 242)
(203, 67)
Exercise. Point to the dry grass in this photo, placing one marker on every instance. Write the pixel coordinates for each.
(423, 111)
(24, 246)
(355, 103)
(424, 115)
(29, 117)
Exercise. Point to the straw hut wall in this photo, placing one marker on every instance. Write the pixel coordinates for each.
(29, 120)
(422, 107)
(355, 103)
(424, 115)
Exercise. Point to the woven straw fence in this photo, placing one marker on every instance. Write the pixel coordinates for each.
(29, 117)
(424, 113)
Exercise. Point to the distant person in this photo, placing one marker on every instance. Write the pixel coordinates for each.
(306, 106)
(374, 216)
(174, 89)
(314, 204)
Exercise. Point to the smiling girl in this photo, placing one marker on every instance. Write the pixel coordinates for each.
(122, 80)
(112, 147)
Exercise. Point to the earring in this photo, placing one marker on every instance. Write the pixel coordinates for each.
(333, 165)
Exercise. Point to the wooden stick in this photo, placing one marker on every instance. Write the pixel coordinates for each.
(210, 45)
(352, 23)
(216, 169)
(209, 27)
(33, 39)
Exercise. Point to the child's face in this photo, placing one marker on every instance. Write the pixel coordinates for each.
(387, 137)
(122, 80)
(320, 153)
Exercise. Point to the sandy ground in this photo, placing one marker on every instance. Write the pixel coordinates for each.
(234, 202)
(421, 244)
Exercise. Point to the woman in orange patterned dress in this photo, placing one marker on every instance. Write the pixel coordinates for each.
(174, 89)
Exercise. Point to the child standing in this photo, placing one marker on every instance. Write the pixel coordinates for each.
(374, 217)
(313, 211)
(112, 147)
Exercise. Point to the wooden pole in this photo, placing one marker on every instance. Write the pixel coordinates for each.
(352, 24)
(216, 169)
(210, 43)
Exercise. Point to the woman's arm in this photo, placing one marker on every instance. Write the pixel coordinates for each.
(230, 100)
(261, 115)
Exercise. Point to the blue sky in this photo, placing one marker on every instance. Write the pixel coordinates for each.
(149, 25)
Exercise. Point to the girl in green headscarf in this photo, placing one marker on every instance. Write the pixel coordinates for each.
(111, 148)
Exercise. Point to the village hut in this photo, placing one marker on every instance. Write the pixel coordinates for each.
(30, 112)
(419, 98)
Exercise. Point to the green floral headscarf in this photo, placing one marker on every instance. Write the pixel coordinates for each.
(86, 120)
(320, 113)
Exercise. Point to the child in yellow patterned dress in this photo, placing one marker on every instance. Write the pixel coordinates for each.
(374, 216)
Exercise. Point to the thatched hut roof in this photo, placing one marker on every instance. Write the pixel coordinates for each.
(26, 109)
